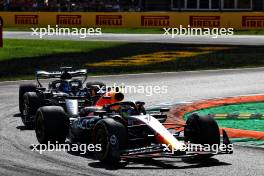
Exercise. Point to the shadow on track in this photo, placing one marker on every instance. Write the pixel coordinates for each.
(22, 127)
(17, 115)
(158, 164)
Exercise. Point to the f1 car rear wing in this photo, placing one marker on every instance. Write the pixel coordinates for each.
(65, 73)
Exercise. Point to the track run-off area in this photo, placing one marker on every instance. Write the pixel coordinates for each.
(147, 38)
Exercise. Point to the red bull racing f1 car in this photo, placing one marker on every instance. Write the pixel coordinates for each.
(124, 130)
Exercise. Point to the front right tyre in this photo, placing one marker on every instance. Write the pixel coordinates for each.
(29, 106)
(111, 135)
(24, 88)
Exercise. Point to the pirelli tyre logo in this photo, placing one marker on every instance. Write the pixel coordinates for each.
(26, 19)
(69, 19)
(153, 21)
(205, 21)
(109, 20)
(253, 21)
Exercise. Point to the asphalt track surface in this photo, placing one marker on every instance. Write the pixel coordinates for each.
(148, 38)
(16, 157)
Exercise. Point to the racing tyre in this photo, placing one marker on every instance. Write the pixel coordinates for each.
(51, 125)
(112, 136)
(29, 107)
(22, 90)
(202, 130)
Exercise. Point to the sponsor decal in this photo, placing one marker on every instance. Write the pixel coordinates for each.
(155, 20)
(205, 21)
(69, 19)
(26, 19)
(109, 20)
(252, 21)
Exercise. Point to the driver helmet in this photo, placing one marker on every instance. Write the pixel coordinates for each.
(65, 87)
(127, 111)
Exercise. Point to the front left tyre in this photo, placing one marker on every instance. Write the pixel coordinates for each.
(202, 130)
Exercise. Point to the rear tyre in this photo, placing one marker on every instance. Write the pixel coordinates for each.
(51, 125)
(202, 130)
(22, 90)
(112, 136)
(29, 107)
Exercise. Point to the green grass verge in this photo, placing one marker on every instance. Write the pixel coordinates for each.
(142, 30)
(17, 49)
(20, 58)
(250, 32)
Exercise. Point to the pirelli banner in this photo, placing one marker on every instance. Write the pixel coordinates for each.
(237, 20)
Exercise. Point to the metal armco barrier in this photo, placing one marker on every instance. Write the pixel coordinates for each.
(1, 32)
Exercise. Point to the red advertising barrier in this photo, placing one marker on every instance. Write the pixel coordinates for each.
(1, 32)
